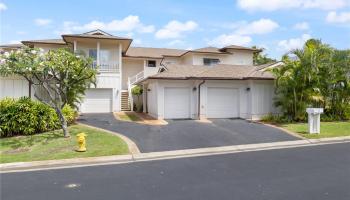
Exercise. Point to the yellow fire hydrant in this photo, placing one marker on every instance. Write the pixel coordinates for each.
(81, 142)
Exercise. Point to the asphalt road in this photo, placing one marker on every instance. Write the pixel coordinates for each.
(314, 172)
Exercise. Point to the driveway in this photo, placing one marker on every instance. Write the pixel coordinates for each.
(188, 134)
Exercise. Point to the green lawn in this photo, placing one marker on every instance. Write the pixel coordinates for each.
(328, 129)
(129, 117)
(52, 145)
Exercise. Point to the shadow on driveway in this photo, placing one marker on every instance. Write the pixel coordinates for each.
(188, 134)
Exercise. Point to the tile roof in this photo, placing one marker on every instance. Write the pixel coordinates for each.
(46, 41)
(149, 52)
(212, 72)
(208, 50)
(96, 36)
(240, 48)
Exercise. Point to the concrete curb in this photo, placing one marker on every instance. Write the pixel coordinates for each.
(107, 160)
(133, 149)
(282, 129)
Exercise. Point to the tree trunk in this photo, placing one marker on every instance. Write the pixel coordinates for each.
(63, 122)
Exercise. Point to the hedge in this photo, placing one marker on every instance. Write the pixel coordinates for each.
(25, 116)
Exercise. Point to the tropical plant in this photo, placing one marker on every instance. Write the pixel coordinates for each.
(58, 77)
(137, 91)
(25, 116)
(259, 58)
(315, 76)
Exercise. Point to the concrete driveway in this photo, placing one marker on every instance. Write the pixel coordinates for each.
(188, 134)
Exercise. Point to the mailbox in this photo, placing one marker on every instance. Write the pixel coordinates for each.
(314, 119)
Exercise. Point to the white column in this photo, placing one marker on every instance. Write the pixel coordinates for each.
(75, 46)
(98, 54)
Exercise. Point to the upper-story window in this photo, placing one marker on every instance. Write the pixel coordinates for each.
(151, 63)
(211, 61)
(93, 54)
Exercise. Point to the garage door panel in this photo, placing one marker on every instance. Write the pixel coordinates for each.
(176, 103)
(97, 101)
(222, 102)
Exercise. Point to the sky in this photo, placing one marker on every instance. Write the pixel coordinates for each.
(278, 26)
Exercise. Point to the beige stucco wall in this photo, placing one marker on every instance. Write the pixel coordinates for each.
(130, 68)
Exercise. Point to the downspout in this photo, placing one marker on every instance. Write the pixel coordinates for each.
(199, 98)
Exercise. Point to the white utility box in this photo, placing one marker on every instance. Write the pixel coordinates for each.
(314, 119)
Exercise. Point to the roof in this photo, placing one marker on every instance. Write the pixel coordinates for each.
(95, 36)
(148, 52)
(208, 50)
(46, 41)
(240, 48)
(219, 72)
(11, 46)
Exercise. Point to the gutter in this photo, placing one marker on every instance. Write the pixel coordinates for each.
(199, 98)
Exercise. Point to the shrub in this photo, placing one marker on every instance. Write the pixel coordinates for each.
(271, 118)
(26, 117)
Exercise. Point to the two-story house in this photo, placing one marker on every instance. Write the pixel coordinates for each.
(202, 83)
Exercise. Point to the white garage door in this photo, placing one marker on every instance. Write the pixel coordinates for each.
(176, 103)
(222, 103)
(97, 101)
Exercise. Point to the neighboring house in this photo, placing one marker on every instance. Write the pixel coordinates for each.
(202, 83)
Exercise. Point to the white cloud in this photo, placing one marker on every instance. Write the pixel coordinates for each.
(15, 42)
(42, 22)
(128, 24)
(272, 5)
(302, 26)
(175, 42)
(175, 29)
(293, 43)
(3, 7)
(334, 17)
(224, 40)
(261, 26)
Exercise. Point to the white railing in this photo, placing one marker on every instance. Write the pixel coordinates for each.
(111, 67)
(131, 81)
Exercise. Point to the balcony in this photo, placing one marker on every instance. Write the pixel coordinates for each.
(106, 67)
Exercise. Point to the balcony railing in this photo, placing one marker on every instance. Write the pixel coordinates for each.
(110, 67)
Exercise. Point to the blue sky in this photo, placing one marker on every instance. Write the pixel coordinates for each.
(276, 25)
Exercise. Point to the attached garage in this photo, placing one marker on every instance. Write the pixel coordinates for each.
(177, 102)
(97, 101)
(222, 102)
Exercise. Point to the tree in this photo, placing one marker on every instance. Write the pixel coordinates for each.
(58, 77)
(259, 58)
(137, 91)
(317, 77)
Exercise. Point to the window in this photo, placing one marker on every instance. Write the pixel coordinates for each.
(151, 63)
(104, 56)
(210, 61)
(93, 54)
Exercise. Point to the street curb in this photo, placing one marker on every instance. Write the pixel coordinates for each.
(133, 149)
(107, 160)
(282, 129)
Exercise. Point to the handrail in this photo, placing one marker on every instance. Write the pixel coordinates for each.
(106, 67)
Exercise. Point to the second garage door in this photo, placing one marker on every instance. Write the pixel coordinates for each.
(222, 102)
(176, 102)
(97, 101)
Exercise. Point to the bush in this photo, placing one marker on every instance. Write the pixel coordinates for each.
(26, 117)
(271, 118)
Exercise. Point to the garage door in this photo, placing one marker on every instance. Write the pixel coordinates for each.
(222, 103)
(97, 101)
(176, 103)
